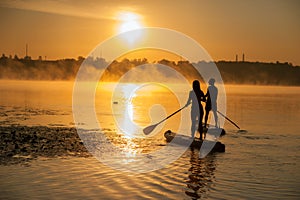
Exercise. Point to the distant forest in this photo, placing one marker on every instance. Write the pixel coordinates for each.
(232, 72)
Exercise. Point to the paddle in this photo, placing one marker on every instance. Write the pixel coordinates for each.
(228, 119)
(149, 129)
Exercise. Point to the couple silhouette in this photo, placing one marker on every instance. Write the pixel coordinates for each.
(196, 96)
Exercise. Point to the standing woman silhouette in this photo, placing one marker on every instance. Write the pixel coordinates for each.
(195, 97)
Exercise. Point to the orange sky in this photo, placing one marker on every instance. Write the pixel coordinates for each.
(264, 30)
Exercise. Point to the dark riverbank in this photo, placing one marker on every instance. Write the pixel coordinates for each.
(242, 72)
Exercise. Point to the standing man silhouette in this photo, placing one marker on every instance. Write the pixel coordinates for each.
(211, 102)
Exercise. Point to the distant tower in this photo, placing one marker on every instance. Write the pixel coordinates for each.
(26, 51)
(236, 58)
(243, 57)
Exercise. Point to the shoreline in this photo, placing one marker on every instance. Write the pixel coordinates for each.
(21, 144)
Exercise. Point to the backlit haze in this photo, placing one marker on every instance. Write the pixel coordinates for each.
(266, 31)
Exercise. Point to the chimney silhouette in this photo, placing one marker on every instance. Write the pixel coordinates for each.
(243, 57)
(26, 50)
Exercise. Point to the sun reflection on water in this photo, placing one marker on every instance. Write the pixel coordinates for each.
(132, 107)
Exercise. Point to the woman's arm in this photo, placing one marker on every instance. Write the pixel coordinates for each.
(203, 97)
(207, 93)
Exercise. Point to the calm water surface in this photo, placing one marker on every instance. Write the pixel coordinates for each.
(259, 163)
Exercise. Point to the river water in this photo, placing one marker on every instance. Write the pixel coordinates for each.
(260, 162)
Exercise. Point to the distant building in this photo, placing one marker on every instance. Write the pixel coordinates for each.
(26, 53)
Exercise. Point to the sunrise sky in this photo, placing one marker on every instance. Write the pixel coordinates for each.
(266, 30)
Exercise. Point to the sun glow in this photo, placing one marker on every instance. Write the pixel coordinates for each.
(130, 21)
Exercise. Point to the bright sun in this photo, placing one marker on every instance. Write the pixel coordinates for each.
(130, 21)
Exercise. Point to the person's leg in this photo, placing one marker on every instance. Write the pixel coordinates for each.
(206, 117)
(194, 123)
(214, 109)
(216, 118)
(200, 127)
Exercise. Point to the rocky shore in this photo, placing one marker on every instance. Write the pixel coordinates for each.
(20, 144)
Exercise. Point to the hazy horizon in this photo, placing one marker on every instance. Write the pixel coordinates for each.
(150, 59)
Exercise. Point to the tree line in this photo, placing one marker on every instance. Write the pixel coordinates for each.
(232, 72)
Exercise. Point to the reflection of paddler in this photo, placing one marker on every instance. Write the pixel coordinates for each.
(211, 102)
(195, 97)
(201, 175)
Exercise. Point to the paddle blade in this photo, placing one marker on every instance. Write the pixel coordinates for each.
(149, 129)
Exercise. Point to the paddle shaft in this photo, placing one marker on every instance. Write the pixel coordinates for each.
(170, 115)
(149, 129)
(228, 119)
